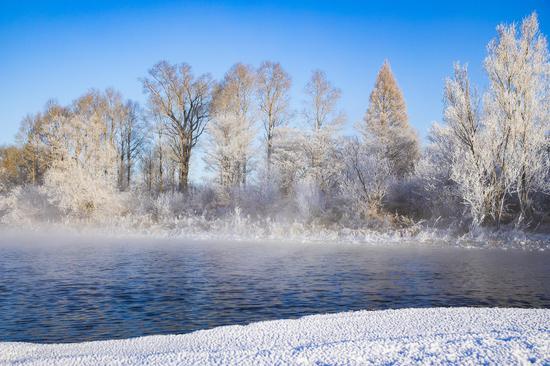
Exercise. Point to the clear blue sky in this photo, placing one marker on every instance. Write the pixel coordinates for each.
(61, 48)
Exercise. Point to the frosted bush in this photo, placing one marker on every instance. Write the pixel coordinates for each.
(76, 190)
(25, 205)
(307, 198)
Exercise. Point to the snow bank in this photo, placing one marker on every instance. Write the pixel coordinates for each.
(435, 336)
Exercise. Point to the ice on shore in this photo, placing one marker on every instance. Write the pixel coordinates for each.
(427, 336)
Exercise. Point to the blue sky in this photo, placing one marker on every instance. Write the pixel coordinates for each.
(60, 48)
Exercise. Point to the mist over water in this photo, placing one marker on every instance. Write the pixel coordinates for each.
(84, 288)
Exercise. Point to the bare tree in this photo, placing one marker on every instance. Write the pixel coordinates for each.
(462, 108)
(147, 166)
(182, 101)
(232, 131)
(273, 94)
(159, 155)
(325, 120)
(131, 136)
(323, 97)
(365, 175)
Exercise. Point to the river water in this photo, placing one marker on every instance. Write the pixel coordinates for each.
(96, 289)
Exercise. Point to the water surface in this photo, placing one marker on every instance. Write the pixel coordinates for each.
(95, 289)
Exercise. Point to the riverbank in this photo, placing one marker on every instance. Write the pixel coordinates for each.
(238, 228)
(30, 210)
(433, 335)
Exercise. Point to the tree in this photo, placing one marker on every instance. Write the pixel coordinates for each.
(130, 136)
(288, 159)
(82, 174)
(517, 110)
(35, 138)
(232, 131)
(322, 98)
(462, 141)
(499, 160)
(273, 94)
(48, 136)
(461, 110)
(11, 164)
(33, 159)
(153, 159)
(454, 142)
(161, 159)
(147, 168)
(125, 129)
(324, 120)
(182, 101)
(386, 121)
(365, 176)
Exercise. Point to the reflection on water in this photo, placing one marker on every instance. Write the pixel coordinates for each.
(84, 292)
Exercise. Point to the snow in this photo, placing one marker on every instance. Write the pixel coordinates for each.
(428, 336)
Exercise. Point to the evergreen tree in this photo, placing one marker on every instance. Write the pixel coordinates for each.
(386, 124)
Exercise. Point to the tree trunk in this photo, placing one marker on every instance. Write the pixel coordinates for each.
(269, 152)
(184, 168)
(150, 174)
(161, 178)
(244, 171)
(33, 170)
(184, 175)
(121, 173)
(128, 167)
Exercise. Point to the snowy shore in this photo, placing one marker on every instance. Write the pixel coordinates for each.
(434, 336)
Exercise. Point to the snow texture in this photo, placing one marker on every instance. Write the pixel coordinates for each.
(463, 336)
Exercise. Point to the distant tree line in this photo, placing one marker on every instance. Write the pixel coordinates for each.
(487, 164)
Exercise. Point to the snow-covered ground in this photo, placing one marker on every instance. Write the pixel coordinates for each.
(427, 336)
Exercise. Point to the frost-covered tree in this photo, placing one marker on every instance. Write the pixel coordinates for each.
(182, 102)
(461, 113)
(321, 102)
(131, 136)
(273, 94)
(471, 151)
(306, 159)
(487, 163)
(148, 160)
(499, 159)
(461, 146)
(386, 124)
(165, 162)
(34, 138)
(324, 121)
(517, 110)
(125, 130)
(46, 135)
(287, 159)
(147, 164)
(82, 174)
(33, 157)
(232, 129)
(366, 176)
(114, 113)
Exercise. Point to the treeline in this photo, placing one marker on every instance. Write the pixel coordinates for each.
(487, 164)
